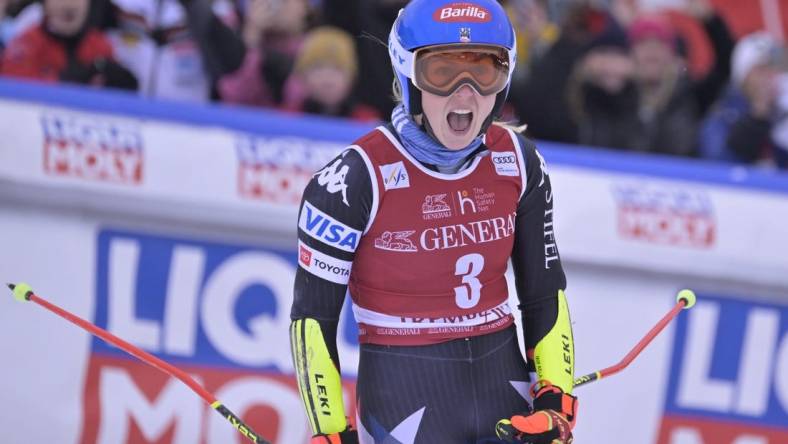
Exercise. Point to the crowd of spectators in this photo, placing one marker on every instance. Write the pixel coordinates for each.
(596, 73)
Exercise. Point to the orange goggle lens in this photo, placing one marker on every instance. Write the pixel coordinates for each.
(441, 70)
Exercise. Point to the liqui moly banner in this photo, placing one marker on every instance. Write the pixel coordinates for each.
(276, 170)
(121, 155)
(76, 145)
(669, 225)
(728, 379)
(218, 311)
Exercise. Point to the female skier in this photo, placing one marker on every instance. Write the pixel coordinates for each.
(426, 211)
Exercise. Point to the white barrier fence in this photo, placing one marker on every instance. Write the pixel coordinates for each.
(180, 238)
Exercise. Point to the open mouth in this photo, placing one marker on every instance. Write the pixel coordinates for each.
(460, 120)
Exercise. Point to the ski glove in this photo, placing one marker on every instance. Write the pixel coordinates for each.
(551, 421)
(348, 436)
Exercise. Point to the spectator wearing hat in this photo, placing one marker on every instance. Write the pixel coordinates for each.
(749, 123)
(327, 68)
(65, 47)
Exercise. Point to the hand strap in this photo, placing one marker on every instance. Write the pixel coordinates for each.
(348, 436)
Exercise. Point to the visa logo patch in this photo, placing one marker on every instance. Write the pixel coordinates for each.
(326, 229)
(394, 175)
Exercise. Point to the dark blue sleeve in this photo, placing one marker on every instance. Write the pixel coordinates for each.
(538, 273)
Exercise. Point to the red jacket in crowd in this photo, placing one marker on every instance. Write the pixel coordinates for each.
(88, 58)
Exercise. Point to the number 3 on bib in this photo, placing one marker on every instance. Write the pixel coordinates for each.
(469, 266)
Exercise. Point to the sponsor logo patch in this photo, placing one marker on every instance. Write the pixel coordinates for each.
(326, 229)
(462, 12)
(332, 177)
(465, 35)
(396, 241)
(322, 265)
(477, 200)
(92, 148)
(505, 163)
(394, 176)
(304, 256)
(435, 207)
(469, 233)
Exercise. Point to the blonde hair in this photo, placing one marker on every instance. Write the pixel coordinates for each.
(519, 129)
(396, 90)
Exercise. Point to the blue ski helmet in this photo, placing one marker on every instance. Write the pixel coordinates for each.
(423, 23)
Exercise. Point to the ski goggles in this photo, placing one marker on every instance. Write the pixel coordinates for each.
(441, 70)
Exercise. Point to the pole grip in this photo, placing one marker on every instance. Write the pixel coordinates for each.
(591, 377)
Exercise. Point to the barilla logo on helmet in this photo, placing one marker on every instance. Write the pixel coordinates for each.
(462, 12)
